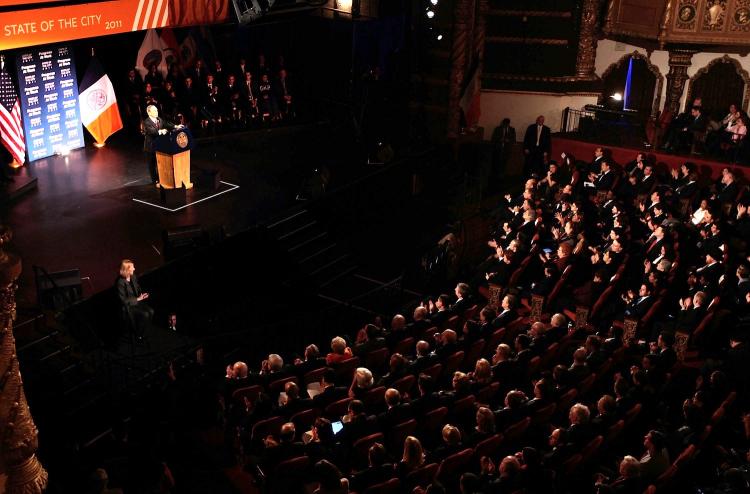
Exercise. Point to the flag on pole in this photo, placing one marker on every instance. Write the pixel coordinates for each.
(11, 126)
(151, 53)
(96, 99)
(188, 51)
(172, 51)
(470, 99)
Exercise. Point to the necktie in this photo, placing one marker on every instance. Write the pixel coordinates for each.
(538, 133)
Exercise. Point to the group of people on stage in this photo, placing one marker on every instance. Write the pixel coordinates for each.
(211, 97)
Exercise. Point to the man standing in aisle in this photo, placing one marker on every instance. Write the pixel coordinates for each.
(153, 126)
(536, 146)
(503, 138)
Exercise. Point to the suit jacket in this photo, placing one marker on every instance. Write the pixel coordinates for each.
(545, 141)
(605, 181)
(499, 140)
(151, 132)
(128, 292)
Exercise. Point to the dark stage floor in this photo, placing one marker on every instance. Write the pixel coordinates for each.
(83, 214)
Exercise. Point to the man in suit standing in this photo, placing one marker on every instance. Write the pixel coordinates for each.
(153, 126)
(536, 147)
(503, 138)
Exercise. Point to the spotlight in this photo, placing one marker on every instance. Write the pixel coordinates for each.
(439, 37)
(99, 145)
(616, 97)
(434, 2)
(430, 14)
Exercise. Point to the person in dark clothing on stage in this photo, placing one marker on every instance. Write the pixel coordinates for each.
(153, 126)
(133, 299)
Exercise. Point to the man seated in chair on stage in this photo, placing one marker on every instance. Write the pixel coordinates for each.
(133, 299)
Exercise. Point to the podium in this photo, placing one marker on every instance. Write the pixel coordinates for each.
(173, 158)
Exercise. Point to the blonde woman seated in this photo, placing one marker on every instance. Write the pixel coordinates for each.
(412, 459)
(133, 299)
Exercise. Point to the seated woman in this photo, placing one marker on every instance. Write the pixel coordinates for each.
(133, 299)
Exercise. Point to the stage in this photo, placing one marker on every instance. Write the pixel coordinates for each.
(582, 150)
(95, 207)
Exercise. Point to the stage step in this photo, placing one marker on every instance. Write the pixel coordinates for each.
(312, 247)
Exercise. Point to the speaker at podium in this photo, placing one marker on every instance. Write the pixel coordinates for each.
(173, 158)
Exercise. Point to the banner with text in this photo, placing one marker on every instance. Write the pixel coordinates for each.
(36, 26)
(48, 88)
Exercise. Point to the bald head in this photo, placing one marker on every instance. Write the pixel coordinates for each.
(392, 397)
(398, 322)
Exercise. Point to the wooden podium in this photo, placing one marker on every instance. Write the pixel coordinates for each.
(173, 158)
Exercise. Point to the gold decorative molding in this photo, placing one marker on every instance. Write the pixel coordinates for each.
(529, 13)
(714, 15)
(651, 67)
(586, 57)
(740, 19)
(686, 17)
(737, 67)
(18, 433)
(527, 41)
(679, 61)
(664, 29)
(533, 78)
(542, 93)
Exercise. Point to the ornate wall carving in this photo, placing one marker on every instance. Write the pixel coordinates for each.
(18, 433)
(737, 67)
(586, 59)
(651, 67)
(462, 45)
(739, 21)
(679, 61)
(714, 15)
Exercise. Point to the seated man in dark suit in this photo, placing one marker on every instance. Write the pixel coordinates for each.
(421, 322)
(427, 399)
(463, 301)
(311, 361)
(439, 312)
(580, 432)
(357, 424)
(579, 370)
(293, 402)
(329, 391)
(508, 314)
(424, 358)
(447, 344)
(504, 367)
(396, 413)
(285, 448)
(379, 470)
(369, 339)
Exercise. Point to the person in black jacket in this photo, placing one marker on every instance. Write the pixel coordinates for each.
(153, 126)
(133, 299)
(536, 146)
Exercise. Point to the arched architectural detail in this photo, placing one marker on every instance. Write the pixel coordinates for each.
(737, 67)
(651, 67)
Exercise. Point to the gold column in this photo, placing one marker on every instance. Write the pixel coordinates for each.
(459, 62)
(18, 434)
(679, 61)
(586, 58)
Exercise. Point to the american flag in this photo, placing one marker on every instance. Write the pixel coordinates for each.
(11, 127)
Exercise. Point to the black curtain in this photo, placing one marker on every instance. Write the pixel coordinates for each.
(642, 86)
(718, 88)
